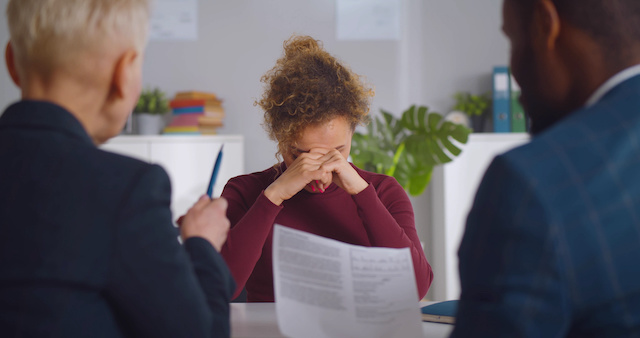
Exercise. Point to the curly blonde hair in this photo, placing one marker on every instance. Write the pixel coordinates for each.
(307, 87)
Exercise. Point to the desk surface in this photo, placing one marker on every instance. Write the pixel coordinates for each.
(258, 320)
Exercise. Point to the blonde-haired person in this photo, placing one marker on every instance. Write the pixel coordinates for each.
(88, 248)
(312, 105)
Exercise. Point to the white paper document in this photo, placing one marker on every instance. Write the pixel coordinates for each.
(326, 288)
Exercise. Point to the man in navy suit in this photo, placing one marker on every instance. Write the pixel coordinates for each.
(552, 243)
(88, 248)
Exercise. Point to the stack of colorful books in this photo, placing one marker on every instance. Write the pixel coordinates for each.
(196, 113)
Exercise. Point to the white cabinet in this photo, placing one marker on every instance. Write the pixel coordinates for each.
(453, 188)
(188, 160)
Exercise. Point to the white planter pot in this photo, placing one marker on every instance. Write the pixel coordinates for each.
(148, 124)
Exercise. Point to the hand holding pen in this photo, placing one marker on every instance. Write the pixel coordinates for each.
(207, 219)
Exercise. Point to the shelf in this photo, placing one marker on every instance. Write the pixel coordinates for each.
(188, 159)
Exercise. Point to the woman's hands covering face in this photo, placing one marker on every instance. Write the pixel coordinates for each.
(315, 170)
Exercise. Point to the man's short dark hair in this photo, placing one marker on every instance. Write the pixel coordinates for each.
(612, 23)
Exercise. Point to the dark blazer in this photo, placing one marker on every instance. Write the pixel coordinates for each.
(88, 248)
(552, 243)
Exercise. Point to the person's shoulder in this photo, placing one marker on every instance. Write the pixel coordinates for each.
(255, 181)
(109, 160)
(267, 175)
(530, 159)
(120, 170)
(116, 159)
(369, 175)
(553, 157)
(573, 139)
(376, 179)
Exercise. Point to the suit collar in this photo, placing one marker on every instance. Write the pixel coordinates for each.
(613, 82)
(43, 115)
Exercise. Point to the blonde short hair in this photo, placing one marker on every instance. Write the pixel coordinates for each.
(47, 33)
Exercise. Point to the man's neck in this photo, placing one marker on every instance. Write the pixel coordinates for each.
(589, 66)
(592, 65)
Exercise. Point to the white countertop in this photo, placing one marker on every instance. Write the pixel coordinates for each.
(258, 320)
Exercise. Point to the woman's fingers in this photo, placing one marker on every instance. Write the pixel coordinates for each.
(316, 170)
(313, 169)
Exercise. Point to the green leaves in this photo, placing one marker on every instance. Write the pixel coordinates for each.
(408, 148)
(152, 102)
(472, 104)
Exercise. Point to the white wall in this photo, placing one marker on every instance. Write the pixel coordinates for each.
(8, 91)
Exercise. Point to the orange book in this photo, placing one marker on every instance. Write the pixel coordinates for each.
(208, 131)
(170, 129)
(209, 121)
(214, 110)
(189, 95)
(214, 114)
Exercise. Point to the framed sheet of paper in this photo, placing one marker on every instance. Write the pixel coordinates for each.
(368, 19)
(174, 20)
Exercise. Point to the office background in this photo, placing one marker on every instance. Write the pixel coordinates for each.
(445, 46)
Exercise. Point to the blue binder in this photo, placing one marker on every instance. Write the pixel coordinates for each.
(501, 100)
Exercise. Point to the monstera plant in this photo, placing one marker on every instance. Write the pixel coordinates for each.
(408, 148)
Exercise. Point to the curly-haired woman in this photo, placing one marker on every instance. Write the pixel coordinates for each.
(312, 105)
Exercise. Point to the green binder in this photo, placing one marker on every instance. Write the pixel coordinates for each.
(518, 120)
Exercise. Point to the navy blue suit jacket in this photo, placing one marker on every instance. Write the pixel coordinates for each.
(88, 248)
(552, 243)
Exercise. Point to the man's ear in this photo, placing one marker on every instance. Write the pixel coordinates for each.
(547, 25)
(124, 75)
(11, 64)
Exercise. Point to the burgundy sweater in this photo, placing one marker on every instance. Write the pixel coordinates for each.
(379, 216)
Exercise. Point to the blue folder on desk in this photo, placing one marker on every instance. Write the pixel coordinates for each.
(443, 312)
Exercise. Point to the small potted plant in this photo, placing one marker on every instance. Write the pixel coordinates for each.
(149, 112)
(475, 106)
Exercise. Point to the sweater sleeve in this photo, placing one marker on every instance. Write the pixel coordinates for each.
(388, 216)
(251, 222)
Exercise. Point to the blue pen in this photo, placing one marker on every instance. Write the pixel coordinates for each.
(214, 174)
